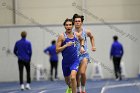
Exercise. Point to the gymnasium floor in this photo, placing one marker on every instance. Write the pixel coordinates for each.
(93, 86)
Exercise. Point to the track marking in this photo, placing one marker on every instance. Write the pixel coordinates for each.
(119, 85)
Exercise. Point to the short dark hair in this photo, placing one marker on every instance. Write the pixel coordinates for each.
(115, 38)
(23, 34)
(78, 16)
(53, 42)
(70, 20)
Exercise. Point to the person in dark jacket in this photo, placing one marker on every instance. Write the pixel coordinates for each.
(116, 54)
(51, 51)
(23, 51)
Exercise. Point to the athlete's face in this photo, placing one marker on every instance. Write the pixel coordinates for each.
(68, 26)
(78, 22)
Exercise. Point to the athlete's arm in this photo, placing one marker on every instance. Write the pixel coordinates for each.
(82, 50)
(81, 40)
(89, 34)
(60, 48)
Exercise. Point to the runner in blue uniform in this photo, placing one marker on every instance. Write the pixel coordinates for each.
(67, 44)
(84, 57)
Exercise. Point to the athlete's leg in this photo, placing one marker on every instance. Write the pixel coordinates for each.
(78, 78)
(83, 67)
(68, 81)
(73, 80)
(66, 73)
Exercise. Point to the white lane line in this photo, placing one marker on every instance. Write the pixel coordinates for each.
(13, 92)
(43, 91)
(119, 85)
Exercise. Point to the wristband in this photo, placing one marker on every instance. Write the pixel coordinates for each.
(82, 46)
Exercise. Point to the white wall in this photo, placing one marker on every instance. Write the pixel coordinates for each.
(41, 38)
(113, 10)
(54, 12)
(6, 16)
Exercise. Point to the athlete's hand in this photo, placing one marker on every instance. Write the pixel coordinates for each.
(82, 50)
(69, 43)
(93, 49)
